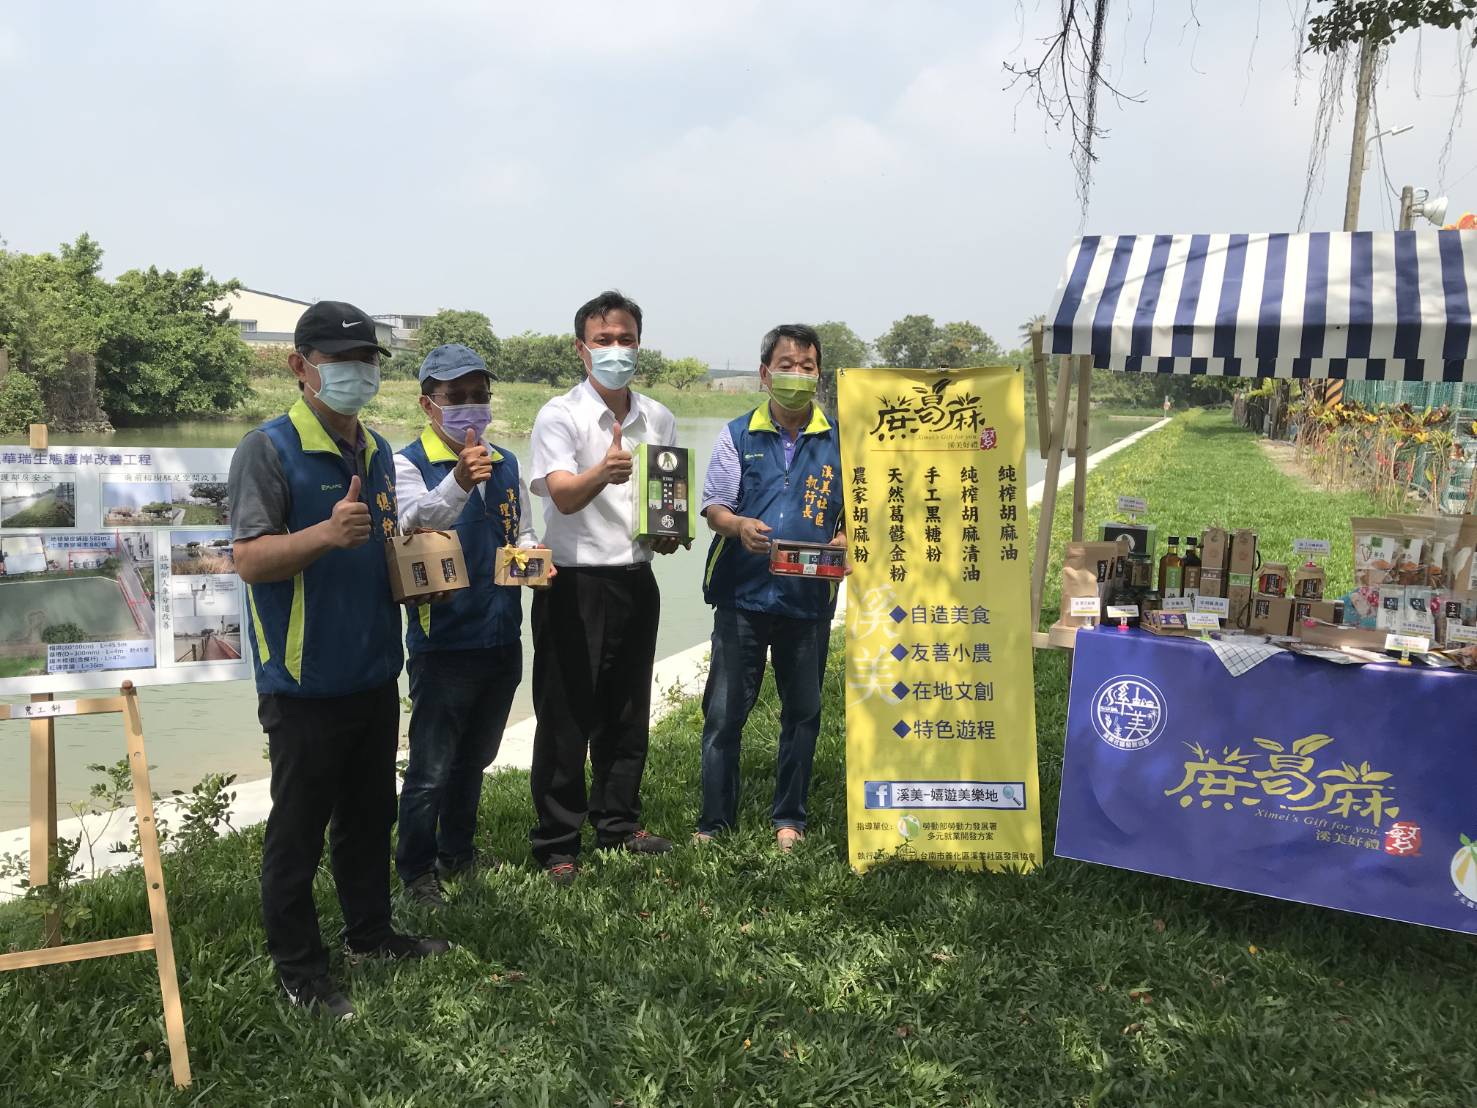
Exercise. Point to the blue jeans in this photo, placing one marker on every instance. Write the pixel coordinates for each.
(459, 707)
(741, 640)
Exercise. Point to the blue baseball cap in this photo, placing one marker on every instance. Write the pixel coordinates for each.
(451, 360)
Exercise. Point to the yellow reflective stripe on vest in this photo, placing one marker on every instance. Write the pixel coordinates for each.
(263, 652)
(296, 632)
(424, 614)
(713, 561)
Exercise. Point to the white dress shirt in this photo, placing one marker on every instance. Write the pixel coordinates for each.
(438, 509)
(572, 433)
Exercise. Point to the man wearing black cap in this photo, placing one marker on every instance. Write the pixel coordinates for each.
(313, 495)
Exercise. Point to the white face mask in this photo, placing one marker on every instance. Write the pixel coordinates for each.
(613, 366)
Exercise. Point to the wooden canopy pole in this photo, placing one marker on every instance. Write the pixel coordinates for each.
(1084, 444)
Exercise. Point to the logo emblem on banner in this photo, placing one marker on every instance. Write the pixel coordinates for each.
(1464, 872)
(1128, 712)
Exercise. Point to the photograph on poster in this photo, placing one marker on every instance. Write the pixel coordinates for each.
(73, 589)
(38, 502)
(193, 552)
(207, 618)
(164, 503)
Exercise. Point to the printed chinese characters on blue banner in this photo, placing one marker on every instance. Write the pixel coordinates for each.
(1349, 787)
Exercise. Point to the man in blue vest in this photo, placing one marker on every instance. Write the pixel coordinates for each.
(775, 473)
(466, 657)
(313, 500)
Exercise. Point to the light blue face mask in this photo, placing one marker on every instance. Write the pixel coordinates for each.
(348, 386)
(613, 366)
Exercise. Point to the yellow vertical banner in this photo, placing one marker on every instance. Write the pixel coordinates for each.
(940, 697)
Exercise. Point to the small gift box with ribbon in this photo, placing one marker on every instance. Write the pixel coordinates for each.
(424, 564)
(519, 566)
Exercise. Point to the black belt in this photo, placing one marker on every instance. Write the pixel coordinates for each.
(606, 571)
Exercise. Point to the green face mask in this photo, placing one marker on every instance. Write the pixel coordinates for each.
(792, 391)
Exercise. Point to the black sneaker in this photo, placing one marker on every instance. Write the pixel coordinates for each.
(426, 890)
(397, 948)
(562, 873)
(321, 994)
(642, 842)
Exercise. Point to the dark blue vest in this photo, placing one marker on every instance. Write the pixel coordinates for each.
(333, 629)
(802, 502)
(483, 614)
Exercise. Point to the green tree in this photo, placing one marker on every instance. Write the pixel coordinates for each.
(20, 402)
(546, 359)
(472, 329)
(679, 373)
(1348, 22)
(63, 632)
(213, 491)
(1029, 326)
(963, 344)
(841, 347)
(908, 342)
(166, 350)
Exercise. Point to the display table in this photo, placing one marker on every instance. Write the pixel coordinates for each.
(1344, 786)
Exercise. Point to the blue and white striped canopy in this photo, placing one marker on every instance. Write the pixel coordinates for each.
(1396, 305)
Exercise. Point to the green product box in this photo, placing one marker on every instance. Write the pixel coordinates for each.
(664, 504)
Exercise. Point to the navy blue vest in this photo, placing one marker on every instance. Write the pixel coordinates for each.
(333, 629)
(483, 614)
(801, 501)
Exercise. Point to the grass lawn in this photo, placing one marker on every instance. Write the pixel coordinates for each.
(95, 604)
(730, 975)
(45, 512)
(514, 404)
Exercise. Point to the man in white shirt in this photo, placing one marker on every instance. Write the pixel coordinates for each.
(466, 653)
(594, 629)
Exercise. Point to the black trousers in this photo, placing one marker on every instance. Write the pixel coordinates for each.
(594, 639)
(333, 759)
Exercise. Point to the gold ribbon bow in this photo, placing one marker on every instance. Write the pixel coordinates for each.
(518, 556)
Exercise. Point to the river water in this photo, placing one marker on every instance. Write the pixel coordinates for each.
(193, 730)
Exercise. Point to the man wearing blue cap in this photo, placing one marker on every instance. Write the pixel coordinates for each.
(466, 657)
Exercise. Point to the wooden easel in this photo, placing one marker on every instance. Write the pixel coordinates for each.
(42, 713)
(1052, 428)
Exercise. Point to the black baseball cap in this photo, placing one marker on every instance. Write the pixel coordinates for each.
(333, 326)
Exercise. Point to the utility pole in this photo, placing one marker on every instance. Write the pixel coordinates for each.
(1367, 52)
(1407, 206)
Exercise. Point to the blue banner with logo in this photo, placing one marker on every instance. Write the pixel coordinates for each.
(1345, 786)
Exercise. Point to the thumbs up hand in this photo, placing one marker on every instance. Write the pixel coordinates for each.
(348, 526)
(473, 464)
(617, 462)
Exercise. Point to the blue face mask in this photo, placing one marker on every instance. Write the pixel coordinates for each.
(613, 366)
(348, 386)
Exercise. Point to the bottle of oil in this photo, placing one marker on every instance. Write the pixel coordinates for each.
(1192, 569)
(1171, 570)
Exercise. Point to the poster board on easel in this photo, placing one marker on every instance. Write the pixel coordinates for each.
(116, 571)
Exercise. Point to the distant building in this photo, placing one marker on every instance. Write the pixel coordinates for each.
(403, 329)
(269, 319)
(736, 382)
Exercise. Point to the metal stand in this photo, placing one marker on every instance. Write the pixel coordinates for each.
(42, 713)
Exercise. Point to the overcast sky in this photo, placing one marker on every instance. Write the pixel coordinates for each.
(730, 165)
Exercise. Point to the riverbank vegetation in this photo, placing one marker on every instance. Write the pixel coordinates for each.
(733, 975)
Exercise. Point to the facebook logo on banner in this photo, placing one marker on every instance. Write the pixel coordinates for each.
(993, 795)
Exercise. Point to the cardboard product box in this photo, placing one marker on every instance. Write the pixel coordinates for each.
(807, 559)
(1088, 569)
(663, 505)
(1140, 536)
(1323, 611)
(1215, 561)
(1456, 611)
(523, 566)
(1241, 568)
(1324, 634)
(1308, 581)
(1420, 608)
(1270, 615)
(423, 564)
(1164, 623)
(1391, 610)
